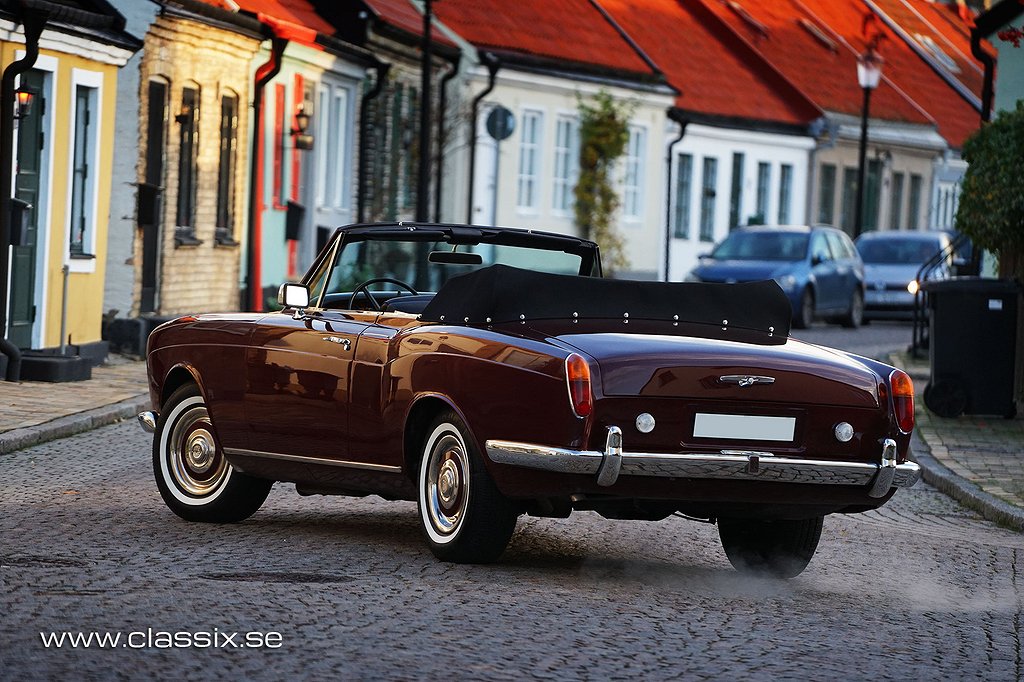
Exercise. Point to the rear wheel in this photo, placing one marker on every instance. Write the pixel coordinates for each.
(464, 517)
(195, 480)
(804, 315)
(777, 548)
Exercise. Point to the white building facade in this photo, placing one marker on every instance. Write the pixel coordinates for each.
(527, 180)
(724, 178)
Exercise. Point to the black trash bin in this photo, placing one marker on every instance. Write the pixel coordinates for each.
(973, 332)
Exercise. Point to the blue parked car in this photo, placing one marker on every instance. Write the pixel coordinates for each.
(817, 267)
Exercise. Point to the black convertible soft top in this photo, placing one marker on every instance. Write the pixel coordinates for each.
(501, 293)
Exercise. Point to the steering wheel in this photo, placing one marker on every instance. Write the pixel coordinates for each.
(361, 287)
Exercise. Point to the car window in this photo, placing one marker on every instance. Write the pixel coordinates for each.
(409, 262)
(839, 246)
(897, 250)
(780, 246)
(819, 248)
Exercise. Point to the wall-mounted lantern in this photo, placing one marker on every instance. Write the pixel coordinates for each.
(23, 102)
(302, 139)
(185, 114)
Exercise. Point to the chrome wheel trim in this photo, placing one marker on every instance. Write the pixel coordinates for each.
(194, 470)
(444, 484)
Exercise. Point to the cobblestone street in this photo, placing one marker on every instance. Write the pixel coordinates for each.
(922, 589)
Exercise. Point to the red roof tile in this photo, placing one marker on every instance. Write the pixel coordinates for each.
(403, 15)
(296, 11)
(923, 22)
(398, 13)
(816, 58)
(566, 30)
(956, 118)
(715, 73)
(910, 92)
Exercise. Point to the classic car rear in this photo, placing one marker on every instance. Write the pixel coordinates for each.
(514, 390)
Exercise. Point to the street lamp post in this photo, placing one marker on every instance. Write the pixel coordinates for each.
(869, 72)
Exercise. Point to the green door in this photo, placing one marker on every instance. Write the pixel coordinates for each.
(26, 188)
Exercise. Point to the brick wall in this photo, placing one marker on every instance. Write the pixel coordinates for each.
(184, 53)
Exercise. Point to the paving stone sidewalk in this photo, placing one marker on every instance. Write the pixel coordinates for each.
(977, 460)
(33, 412)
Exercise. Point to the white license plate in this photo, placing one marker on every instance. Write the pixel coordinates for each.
(743, 427)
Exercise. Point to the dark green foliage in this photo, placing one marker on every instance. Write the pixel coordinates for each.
(991, 210)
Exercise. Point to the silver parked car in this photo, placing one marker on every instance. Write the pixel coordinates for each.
(891, 263)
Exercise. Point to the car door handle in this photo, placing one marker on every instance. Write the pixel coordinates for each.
(345, 343)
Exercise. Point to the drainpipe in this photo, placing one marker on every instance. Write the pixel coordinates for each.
(382, 69)
(34, 21)
(264, 74)
(990, 66)
(815, 129)
(493, 64)
(441, 108)
(679, 118)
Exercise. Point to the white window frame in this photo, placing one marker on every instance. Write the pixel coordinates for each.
(528, 177)
(94, 81)
(323, 138)
(339, 117)
(566, 166)
(633, 176)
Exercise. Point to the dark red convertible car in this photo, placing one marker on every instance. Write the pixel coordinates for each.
(491, 372)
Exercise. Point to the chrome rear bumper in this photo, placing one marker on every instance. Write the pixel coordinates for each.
(730, 465)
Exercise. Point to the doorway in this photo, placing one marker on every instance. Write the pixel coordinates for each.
(27, 183)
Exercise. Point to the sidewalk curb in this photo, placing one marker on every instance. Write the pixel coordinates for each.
(963, 491)
(62, 427)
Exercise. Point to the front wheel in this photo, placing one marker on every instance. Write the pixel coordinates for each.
(464, 517)
(195, 480)
(780, 549)
(855, 315)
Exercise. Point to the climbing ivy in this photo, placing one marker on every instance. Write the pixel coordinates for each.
(604, 134)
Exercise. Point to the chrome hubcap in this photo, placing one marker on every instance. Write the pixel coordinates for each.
(196, 465)
(200, 451)
(446, 484)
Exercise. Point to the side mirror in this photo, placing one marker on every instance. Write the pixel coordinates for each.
(292, 295)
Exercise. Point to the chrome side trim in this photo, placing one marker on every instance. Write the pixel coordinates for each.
(746, 467)
(313, 460)
(147, 420)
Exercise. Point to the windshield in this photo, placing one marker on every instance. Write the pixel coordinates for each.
(779, 246)
(411, 262)
(896, 251)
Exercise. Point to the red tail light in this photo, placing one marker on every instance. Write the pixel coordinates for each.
(903, 399)
(577, 373)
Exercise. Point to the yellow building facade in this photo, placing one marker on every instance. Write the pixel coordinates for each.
(63, 151)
